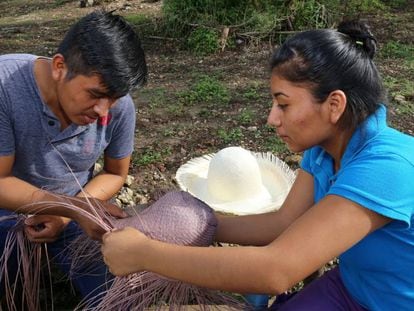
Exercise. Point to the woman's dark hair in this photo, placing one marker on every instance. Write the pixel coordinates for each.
(105, 44)
(329, 60)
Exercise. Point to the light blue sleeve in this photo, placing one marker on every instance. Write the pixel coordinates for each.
(122, 140)
(380, 182)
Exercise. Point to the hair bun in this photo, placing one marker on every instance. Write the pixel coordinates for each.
(361, 34)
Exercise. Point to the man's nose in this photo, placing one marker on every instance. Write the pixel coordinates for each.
(102, 106)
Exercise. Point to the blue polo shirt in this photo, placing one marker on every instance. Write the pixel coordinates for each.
(54, 160)
(377, 171)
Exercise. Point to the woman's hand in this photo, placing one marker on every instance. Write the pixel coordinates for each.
(124, 251)
(44, 228)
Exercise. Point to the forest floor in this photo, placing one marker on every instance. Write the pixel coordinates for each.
(195, 105)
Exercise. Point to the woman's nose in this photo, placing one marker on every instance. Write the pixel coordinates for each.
(273, 118)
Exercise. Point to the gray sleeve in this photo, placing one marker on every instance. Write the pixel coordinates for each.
(122, 140)
(7, 145)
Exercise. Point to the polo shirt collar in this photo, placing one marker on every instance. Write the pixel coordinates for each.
(370, 128)
(54, 132)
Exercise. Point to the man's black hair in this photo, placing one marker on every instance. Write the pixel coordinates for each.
(105, 44)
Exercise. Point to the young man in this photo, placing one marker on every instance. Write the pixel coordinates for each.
(57, 117)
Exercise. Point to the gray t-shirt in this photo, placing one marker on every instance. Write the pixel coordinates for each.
(46, 157)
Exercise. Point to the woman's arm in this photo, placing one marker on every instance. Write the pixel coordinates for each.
(320, 234)
(264, 228)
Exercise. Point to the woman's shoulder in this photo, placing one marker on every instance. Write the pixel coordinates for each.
(387, 159)
(394, 143)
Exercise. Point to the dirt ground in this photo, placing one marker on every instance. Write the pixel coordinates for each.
(169, 132)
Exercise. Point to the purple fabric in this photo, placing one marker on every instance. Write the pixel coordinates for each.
(326, 293)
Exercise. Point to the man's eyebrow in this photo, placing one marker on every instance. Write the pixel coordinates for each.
(276, 94)
(98, 93)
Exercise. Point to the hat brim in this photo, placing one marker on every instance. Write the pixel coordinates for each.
(277, 179)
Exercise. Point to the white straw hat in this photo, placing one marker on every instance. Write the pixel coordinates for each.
(235, 180)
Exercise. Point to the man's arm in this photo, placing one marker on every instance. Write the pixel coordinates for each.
(19, 196)
(16, 194)
(108, 182)
(103, 187)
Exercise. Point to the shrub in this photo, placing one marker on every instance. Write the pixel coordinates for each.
(203, 41)
(201, 21)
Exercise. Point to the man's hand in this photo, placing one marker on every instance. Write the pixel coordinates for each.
(114, 210)
(44, 228)
(92, 228)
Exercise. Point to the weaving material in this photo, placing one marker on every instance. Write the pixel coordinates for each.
(177, 217)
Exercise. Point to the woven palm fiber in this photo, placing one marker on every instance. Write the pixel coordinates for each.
(179, 218)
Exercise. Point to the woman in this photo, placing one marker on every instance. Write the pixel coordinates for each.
(352, 198)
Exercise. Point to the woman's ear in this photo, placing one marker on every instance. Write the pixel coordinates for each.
(337, 104)
(59, 69)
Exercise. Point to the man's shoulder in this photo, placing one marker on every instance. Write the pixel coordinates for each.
(12, 63)
(125, 105)
(126, 100)
(17, 57)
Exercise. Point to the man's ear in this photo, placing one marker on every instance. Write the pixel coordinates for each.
(337, 104)
(59, 68)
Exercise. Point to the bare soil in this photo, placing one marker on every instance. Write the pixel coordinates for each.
(169, 133)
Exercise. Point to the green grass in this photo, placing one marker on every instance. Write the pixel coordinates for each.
(168, 132)
(206, 89)
(272, 142)
(399, 81)
(396, 3)
(138, 19)
(205, 113)
(147, 157)
(395, 49)
(156, 97)
(252, 92)
(29, 6)
(246, 116)
(404, 107)
(176, 109)
(399, 86)
(227, 136)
